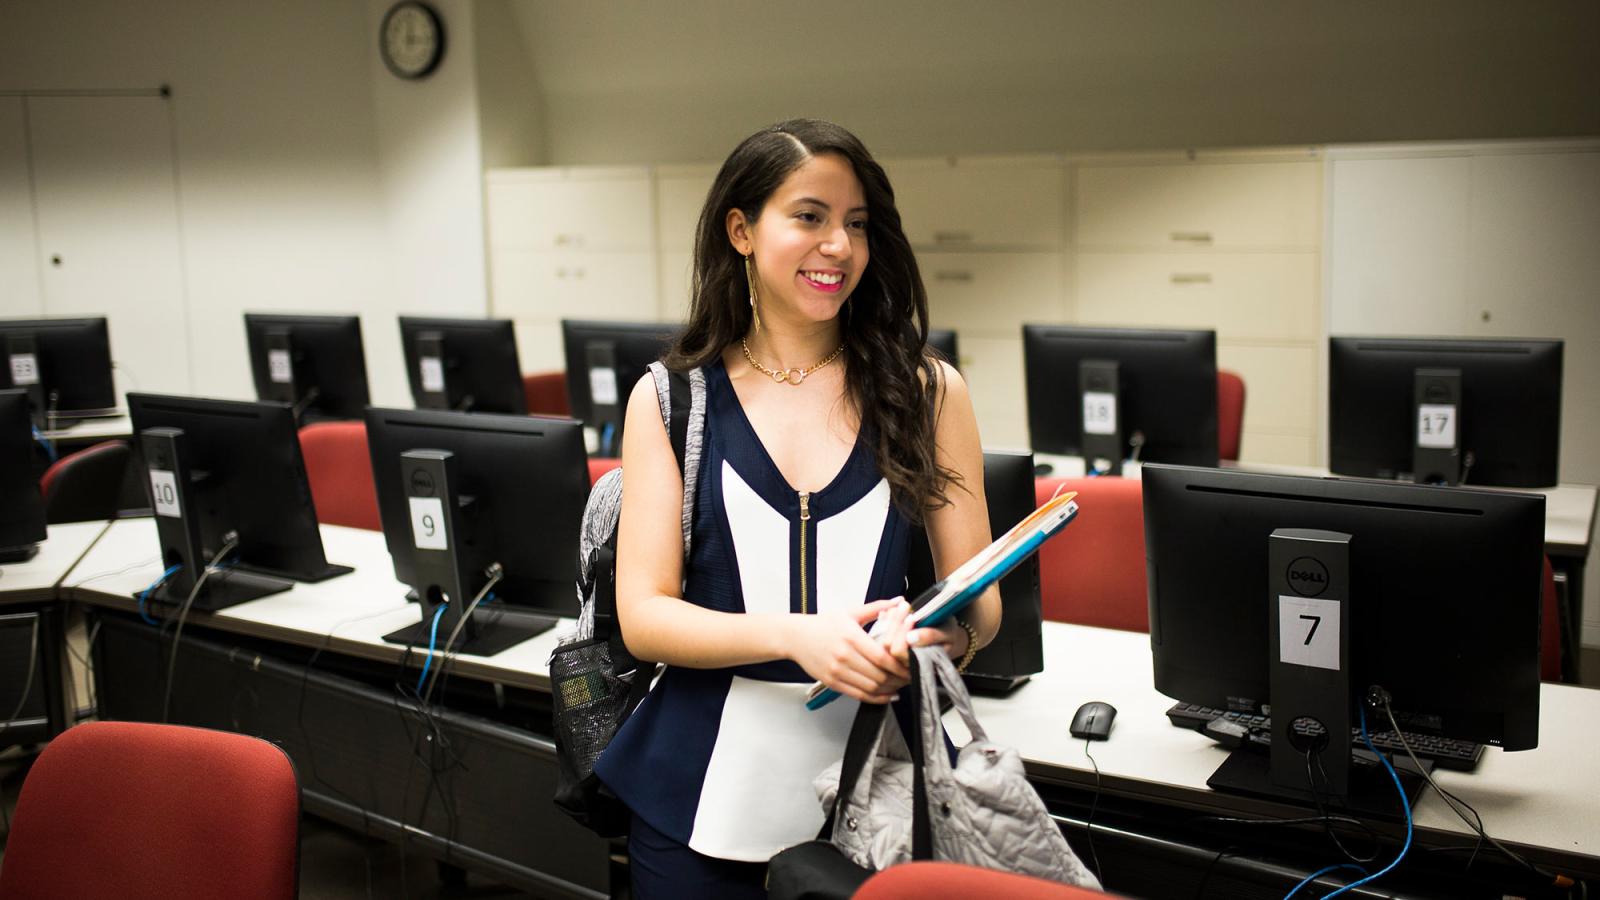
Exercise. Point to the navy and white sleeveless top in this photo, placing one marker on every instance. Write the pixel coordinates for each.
(722, 760)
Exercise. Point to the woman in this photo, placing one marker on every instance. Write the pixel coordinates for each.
(829, 432)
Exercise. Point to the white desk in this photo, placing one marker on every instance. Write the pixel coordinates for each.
(1542, 799)
(99, 428)
(37, 578)
(347, 614)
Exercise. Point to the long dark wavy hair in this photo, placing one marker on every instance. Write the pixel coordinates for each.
(890, 377)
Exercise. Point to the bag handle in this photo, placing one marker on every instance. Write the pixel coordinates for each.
(866, 736)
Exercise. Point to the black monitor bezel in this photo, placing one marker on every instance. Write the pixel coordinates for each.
(86, 341)
(338, 367)
(1168, 380)
(268, 497)
(22, 516)
(1206, 538)
(633, 339)
(490, 364)
(524, 487)
(1371, 429)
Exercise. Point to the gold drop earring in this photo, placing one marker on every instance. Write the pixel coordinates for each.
(750, 278)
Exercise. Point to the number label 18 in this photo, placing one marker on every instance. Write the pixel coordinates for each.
(24, 369)
(1099, 412)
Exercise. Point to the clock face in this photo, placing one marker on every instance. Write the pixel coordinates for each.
(411, 40)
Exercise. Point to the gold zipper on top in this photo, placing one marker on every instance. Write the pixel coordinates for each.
(805, 516)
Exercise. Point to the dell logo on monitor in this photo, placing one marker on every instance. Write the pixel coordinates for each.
(421, 483)
(1307, 577)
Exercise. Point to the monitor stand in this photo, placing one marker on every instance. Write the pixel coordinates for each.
(19, 553)
(993, 685)
(223, 588)
(490, 631)
(329, 570)
(1371, 791)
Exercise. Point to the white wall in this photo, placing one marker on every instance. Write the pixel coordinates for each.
(309, 178)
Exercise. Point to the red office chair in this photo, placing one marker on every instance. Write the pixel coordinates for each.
(85, 486)
(924, 880)
(547, 393)
(1093, 574)
(129, 809)
(1230, 413)
(599, 465)
(339, 469)
(1549, 627)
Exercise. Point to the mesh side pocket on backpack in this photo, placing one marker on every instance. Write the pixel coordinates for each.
(590, 701)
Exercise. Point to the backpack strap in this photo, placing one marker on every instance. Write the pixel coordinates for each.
(682, 396)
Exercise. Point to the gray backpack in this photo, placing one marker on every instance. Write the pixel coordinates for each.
(595, 683)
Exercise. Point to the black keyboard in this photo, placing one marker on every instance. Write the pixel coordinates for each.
(1445, 753)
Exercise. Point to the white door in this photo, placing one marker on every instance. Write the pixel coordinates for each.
(106, 207)
(19, 274)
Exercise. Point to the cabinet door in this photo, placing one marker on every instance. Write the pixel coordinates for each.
(1398, 258)
(570, 209)
(992, 293)
(1269, 296)
(981, 203)
(1258, 205)
(550, 286)
(19, 251)
(680, 195)
(107, 208)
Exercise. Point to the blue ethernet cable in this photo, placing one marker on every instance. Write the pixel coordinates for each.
(146, 593)
(433, 638)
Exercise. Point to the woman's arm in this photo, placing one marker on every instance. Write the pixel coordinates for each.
(658, 625)
(959, 530)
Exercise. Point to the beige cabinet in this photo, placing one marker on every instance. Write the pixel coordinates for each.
(680, 195)
(1225, 241)
(989, 203)
(569, 243)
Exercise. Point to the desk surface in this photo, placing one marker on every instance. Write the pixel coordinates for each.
(1542, 798)
(98, 428)
(348, 614)
(37, 578)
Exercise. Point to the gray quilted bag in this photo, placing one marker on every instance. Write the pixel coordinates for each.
(982, 811)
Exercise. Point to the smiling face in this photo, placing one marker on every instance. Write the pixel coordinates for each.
(809, 242)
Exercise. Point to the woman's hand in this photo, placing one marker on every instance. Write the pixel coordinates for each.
(951, 637)
(834, 649)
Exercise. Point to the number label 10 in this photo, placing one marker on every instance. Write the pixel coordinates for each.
(164, 491)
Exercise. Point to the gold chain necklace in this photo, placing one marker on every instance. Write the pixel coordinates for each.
(787, 376)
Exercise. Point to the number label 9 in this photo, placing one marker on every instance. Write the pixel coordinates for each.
(427, 523)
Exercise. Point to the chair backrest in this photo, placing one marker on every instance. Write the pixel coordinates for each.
(119, 809)
(339, 470)
(1094, 574)
(599, 465)
(1549, 627)
(922, 880)
(547, 393)
(1230, 414)
(85, 486)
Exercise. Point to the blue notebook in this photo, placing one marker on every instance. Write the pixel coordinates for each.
(967, 583)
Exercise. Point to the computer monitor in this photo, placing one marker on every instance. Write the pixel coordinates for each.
(459, 493)
(604, 361)
(468, 365)
(22, 513)
(227, 470)
(63, 364)
(314, 363)
(1017, 651)
(1294, 594)
(944, 341)
(1109, 394)
(1445, 410)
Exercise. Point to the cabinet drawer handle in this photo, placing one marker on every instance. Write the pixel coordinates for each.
(952, 237)
(1192, 237)
(1191, 278)
(952, 276)
(569, 240)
